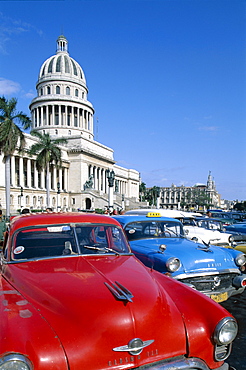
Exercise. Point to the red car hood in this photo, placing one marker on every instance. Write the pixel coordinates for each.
(73, 297)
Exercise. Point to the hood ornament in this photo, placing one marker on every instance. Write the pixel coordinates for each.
(120, 292)
(134, 347)
(204, 247)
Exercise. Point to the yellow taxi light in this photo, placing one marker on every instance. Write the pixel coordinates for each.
(153, 214)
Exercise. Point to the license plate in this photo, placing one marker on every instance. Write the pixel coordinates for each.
(221, 297)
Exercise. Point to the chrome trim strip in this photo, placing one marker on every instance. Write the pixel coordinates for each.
(183, 364)
(217, 272)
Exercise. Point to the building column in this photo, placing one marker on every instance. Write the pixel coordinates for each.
(42, 116)
(42, 179)
(13, 182)
(35, 176)
(53, 115)
(21, 174)
(29, 185)
(53, 186)
(65, 123)
(66, 179)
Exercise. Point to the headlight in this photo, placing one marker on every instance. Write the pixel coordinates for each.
(240, 259)
(231, 239)
(15, 362)
(226, 331)
(173, 264)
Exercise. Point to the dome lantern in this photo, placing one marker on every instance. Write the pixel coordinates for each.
(62, 44)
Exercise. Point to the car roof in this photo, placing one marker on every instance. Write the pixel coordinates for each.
(173, 213)
(54, 218)
(130, 218)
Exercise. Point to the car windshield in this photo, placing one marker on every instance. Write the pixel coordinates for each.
(209, 224)
(154, 229)
(62, 240)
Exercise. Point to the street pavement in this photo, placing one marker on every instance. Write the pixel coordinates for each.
(237, 307)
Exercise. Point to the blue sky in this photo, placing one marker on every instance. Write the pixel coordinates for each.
(166, 78)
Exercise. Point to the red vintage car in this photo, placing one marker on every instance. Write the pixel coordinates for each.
(74, 297)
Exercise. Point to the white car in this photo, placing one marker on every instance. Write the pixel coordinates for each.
(194, 227)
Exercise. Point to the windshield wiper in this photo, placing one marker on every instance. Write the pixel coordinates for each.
(174, 232)
(101, 249)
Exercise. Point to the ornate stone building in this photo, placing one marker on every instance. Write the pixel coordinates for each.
(62, 109)
(183, 197)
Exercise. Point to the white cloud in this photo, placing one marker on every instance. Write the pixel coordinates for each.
(10, 27)
(209, 128)
(8, 87)
(30, 95)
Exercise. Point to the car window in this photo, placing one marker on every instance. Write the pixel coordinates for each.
(44, 242)
(64, 240)
(153, 229)
(103, 238)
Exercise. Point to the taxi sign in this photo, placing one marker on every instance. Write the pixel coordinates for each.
(153, 214)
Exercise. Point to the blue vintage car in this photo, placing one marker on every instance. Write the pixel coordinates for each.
(239, 228)
(160, 243)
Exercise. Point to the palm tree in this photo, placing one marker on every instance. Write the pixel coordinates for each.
(11, 135)
(47, 152)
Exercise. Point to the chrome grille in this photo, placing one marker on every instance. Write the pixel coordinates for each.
(210, 283)
(222, 351)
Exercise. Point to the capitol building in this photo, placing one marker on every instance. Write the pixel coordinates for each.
(62, 109)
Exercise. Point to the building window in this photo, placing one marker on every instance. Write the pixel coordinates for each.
(56, 115)
(67, 90)
(76, 117)
(48, 90)
(27, 200)
(58, 90)
(69, 113)
(76, 92)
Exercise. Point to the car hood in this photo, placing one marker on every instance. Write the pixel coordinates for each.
(196, 258)
(206, 235)
(76, 296)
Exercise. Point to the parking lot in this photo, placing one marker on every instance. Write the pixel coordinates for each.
(237, 307)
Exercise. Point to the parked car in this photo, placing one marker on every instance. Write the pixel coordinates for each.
(192, 226)
(160, 243)
(225, 217)
(239, 228)
(238, 232)
(225, 238)
(73, 297)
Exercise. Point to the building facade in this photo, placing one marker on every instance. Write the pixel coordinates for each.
(62, 109)
(197, 197)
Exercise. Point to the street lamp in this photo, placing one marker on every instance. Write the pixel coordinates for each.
(123, 201)
(21, 195)
(58, 197)
(110, 176)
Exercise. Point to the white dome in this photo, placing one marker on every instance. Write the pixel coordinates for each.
(61, 65)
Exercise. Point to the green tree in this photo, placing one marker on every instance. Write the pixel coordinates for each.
(142, 191)
(152, 194)
(11, 137)
(47, 152)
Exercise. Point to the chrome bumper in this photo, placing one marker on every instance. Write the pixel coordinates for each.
(183, 364)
